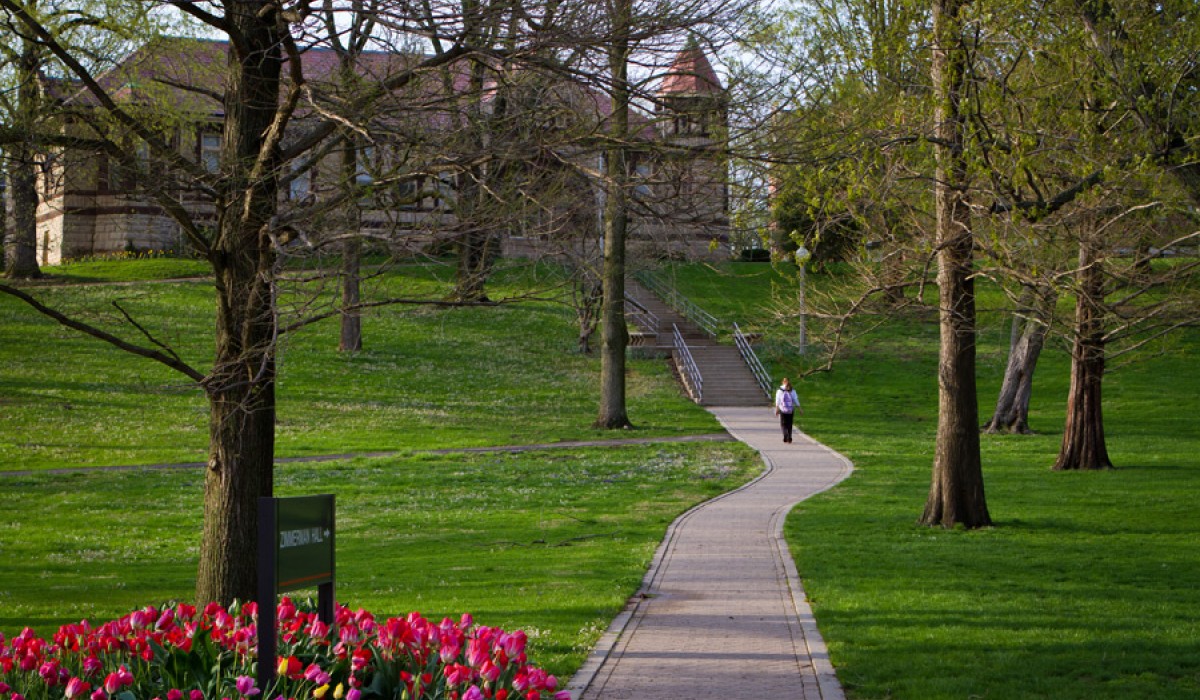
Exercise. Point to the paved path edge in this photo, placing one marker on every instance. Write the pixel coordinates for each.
(830, 687)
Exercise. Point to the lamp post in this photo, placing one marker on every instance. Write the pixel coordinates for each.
(802, 256)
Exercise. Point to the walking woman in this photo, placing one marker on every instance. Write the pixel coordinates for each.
(787, 405)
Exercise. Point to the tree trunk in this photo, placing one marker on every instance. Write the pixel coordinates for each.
(591, 297)
(1083, 445)
(476, 245)
(242, 386)
(351, 320)
(1030, 323)
(476, 258)
(956, 494)
(4, 224)
(20, 251)
(21, 246)
(893, 268)
(351, 336)
(614, 335)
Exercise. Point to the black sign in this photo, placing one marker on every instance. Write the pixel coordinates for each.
(295, 550)
(304, 542)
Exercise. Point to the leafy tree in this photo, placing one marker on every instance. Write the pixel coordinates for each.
(956, 494)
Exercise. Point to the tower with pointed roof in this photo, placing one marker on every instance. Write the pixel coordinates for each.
(689, 164)
(691, 102)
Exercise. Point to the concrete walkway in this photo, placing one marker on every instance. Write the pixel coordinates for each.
(721, 613)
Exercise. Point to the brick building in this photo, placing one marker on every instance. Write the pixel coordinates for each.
(92, 203)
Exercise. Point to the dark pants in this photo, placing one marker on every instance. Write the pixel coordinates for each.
(785, 422)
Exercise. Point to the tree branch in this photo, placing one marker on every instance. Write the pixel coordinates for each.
(166, 359)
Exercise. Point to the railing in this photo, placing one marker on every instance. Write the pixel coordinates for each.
(680, 303)
(756, 367)
(643, 317)
(687, 367)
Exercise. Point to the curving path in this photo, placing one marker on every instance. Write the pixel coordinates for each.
(721, 613)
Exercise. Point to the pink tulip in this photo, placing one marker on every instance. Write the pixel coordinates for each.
(318, 630)
(245, 686)
(286, 611)
(77, 687)
(112, 683)
(28, 662)
(167, 619)
(477, 652)
(489, 671)
(196, 695)
(316, 675)
(473, 693)
(174, 694)
(457, 673)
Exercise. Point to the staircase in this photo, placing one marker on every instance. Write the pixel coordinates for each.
(727, 379)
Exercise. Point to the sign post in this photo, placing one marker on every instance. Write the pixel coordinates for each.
(295, 550)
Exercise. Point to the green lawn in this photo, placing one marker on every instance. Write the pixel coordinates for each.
(428, 378)
(1086, 586)
(552, 541)
(1084, 589)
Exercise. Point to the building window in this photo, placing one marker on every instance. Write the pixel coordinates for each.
(641, 178)
(123, 175)
(408, 193)
(210, 151)
(300, 187)
(365, 163)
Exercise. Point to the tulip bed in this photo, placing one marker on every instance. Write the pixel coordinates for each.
(179, 652)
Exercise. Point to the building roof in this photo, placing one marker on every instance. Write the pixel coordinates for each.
(189, 75)
(691, 74)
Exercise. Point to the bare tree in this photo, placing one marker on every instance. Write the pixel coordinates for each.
(278, 124)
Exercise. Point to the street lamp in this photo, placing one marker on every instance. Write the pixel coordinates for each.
(802, 256)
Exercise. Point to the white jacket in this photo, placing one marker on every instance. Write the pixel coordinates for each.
(779, 405)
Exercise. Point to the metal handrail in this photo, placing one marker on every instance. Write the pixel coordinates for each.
(752, 361)
(687, 366)
(643, 317)
(685, 306)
